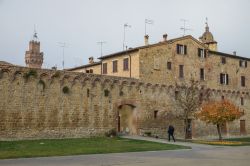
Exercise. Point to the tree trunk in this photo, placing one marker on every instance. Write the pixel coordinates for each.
(219, 132)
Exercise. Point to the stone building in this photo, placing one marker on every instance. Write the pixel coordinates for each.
(176, 61)
(132, 91)
(33, 57)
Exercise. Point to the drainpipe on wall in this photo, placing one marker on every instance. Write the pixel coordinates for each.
(101, 67)
(130, 65)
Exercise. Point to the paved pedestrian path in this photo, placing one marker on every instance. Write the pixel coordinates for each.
(190, 144)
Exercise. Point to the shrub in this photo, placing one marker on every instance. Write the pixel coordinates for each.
(65, 90)
(111, 133)
(31, 72)
(56, 75)
(148, 133)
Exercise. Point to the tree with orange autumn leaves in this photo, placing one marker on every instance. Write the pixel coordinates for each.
(218, 113)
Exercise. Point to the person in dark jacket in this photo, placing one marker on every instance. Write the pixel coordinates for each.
(170, 132)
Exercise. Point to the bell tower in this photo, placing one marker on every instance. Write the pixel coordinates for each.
(208, 39)
(33, 57)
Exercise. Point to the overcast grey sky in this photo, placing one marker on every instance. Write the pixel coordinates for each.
(82, 23)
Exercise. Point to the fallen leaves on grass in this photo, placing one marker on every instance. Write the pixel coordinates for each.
(219, 142)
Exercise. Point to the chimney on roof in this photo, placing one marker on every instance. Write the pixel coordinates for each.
(234, 53)
(91, 60)
(165, 36)
(146, 40)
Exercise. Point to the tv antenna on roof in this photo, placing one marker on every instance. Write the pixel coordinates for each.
(101, 44)
(184, 28)
(126, 25)
(147, 21)
(63, 45)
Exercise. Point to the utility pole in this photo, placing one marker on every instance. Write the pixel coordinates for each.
(126, 25)
(101, 44)
(62, 45)
(147, 21)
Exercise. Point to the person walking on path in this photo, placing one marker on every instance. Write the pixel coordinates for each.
(171, 132)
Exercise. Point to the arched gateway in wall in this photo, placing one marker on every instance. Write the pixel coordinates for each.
(127, 117)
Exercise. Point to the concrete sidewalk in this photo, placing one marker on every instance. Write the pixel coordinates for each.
(190, 144)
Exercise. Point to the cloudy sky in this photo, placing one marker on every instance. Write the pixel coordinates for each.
(83, 23)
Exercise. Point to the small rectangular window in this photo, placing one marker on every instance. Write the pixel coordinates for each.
(155, 114)
(87, 71)
(104, 68)
(115, 70)
(201, 97)
(169, 65)
(90, 70)
(87, 92)
(240, 63)
(223, 60)
(202, 74)
(181, 71)
(176, 93)
(106, 93)
(125, 64)
(243, 81)
(242, 101)
(222, 97)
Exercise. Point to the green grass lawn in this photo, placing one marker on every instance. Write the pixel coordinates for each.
(76, 146)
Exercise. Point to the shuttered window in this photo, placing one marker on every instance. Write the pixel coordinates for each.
(243, 81)
(169, 65)
(181, 49)
(223, 60)
(104, 68)
(202, 53)
(125, 64)
(224, 79)
(115, 70)
(202, 74)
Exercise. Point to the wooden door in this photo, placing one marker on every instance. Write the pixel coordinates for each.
(242, 127)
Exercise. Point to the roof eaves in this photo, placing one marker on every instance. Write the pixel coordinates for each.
(84, 66)
(229, 55)
(186, 37)
(119, 53)
(151, 45)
